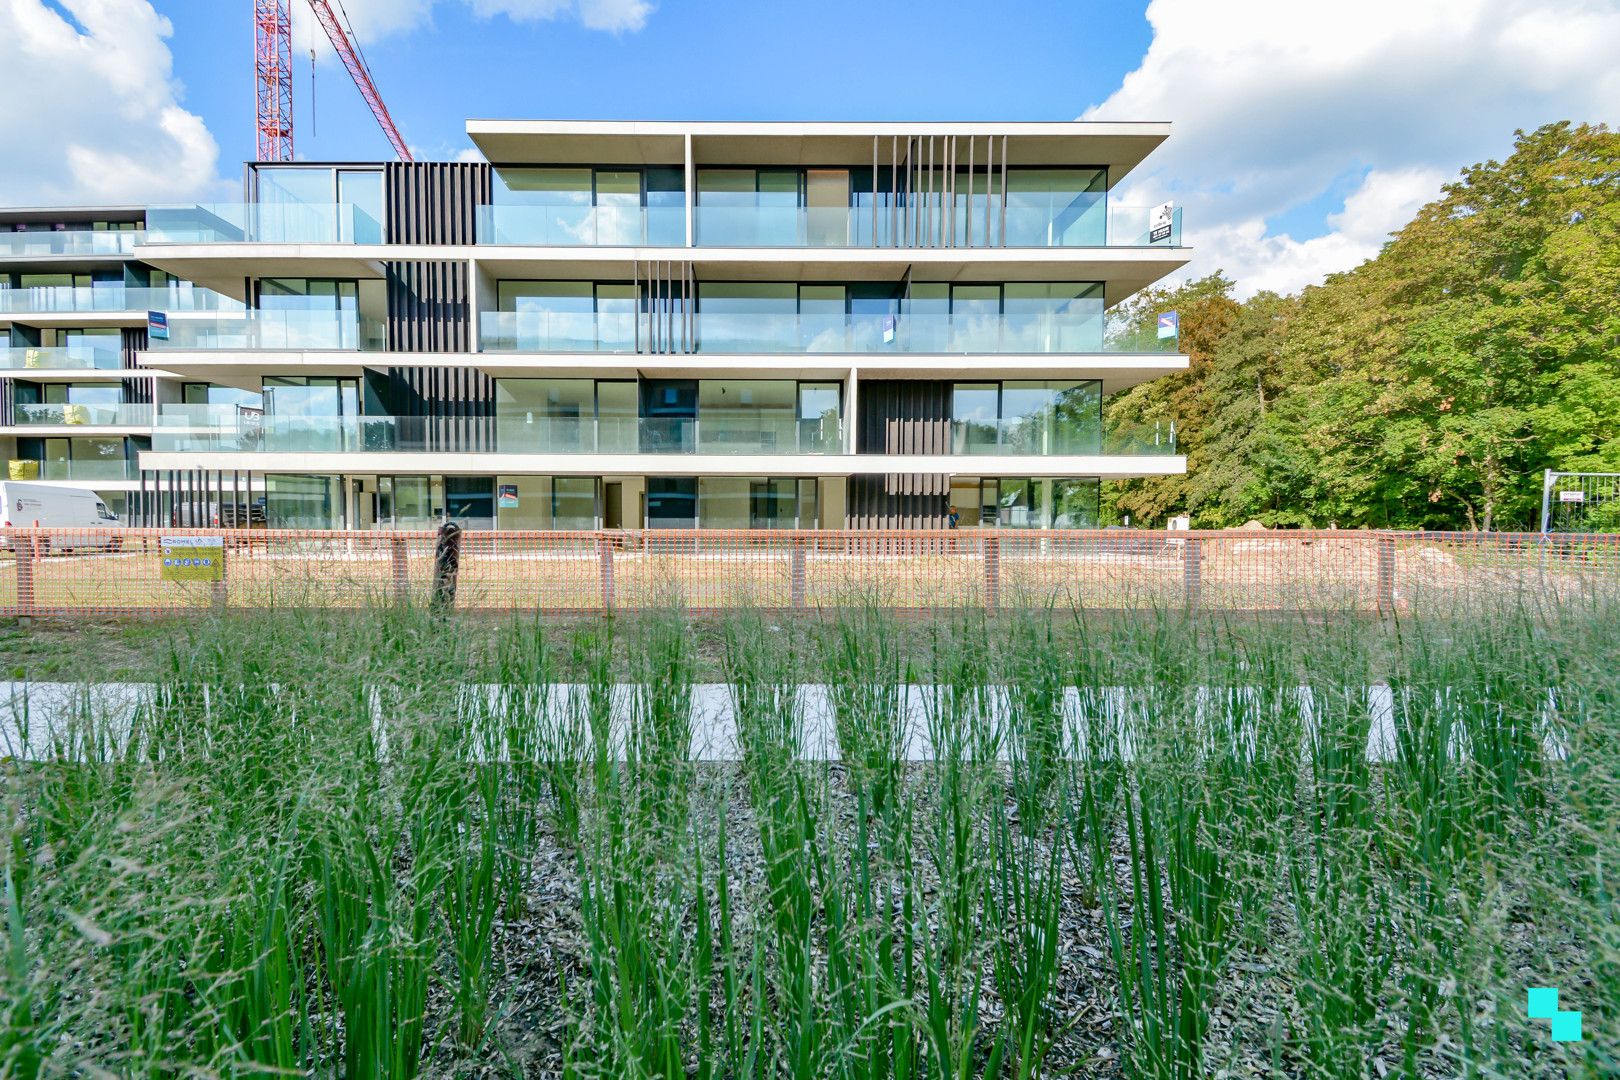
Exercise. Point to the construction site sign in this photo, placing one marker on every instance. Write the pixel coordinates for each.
(193, 558)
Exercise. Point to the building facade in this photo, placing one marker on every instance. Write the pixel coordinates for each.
(605, 325)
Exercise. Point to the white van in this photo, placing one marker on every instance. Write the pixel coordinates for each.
(53, 506)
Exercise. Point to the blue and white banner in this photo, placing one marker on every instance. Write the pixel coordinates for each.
(157, 326)
(1169, 326)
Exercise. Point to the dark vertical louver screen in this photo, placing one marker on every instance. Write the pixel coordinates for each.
(902, 416)
(428, 307)
(7, 408)
(459, 404)
(133, 340)
(432, 202)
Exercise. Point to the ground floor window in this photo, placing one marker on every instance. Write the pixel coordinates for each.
(1025, 502)
(303, 502)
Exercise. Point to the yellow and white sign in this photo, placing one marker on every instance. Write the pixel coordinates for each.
(193, 558)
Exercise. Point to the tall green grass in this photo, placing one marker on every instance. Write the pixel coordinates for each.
(399, 845)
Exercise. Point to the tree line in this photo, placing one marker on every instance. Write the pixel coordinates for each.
(1427, 388)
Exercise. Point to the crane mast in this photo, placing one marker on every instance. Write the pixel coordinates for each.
(272, 33)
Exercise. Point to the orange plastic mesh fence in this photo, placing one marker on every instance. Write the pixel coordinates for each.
(122, 571)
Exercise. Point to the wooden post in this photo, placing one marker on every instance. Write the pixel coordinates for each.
(992, 571)
(604, 557)
(1386, 574)
(1192, 571)
(446, 565)
(402, 570)
(797, 573)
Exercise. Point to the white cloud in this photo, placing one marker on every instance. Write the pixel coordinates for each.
(1274, 100)
(373, 19)
(91, 113)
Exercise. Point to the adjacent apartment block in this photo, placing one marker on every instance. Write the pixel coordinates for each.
(605, 325)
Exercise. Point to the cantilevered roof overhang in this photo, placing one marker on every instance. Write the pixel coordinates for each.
(1120, 147)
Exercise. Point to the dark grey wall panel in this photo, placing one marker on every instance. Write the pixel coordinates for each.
(434, 202)
(8, 409)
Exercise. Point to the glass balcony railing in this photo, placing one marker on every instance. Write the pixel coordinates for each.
(1046, 436)
(187, 429)
(922, 332)
(75, 299)
(72, 415)
(84, 469)
(262, 223)
(510, 331)
(273, 329)
(582, 226)
(557, 331)
(69, 242)
(1085, 222)
(69, 358)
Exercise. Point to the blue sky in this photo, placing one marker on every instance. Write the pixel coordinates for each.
(1304, 132)
(718, 59)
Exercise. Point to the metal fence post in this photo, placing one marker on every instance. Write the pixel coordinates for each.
(446, 565)
(1192, 571)
(797, 572)
(604, 557)
(992, 572)
(1386, 574)
(402, 570)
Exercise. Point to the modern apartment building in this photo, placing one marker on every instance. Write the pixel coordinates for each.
(605, 325)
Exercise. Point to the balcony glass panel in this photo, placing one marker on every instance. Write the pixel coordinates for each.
(70, 413)
(1055, 208)
(1041, 436)
(262, 223)
(60, 358)
(69, 242)
(71, 299)
(291, 329)
(771, 434)
(70, 469)
(582, 226)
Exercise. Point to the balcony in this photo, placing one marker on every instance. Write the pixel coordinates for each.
(70, 242)
(1090, 223)
(273, 329)
(25, 357)
(262, 223)
(75, 415)
(919, 333)
(88, 469)
(82, 299)
(582, 226)
(1047, 436)
(179, 430)
(557, 331)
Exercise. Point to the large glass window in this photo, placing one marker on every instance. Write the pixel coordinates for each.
(84, 459)
(545, 416)
(101, 346)
(215, 394)
(573, 502)
(580, 205)
(309, 313)
(83, 394)
(1056, 207)
(303, 502)
(405, 502)
(564, 316)
(747, 416)
(1043, 317)
(361, 193)
(748, 316)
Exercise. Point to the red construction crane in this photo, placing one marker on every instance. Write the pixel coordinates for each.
(272, 39)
